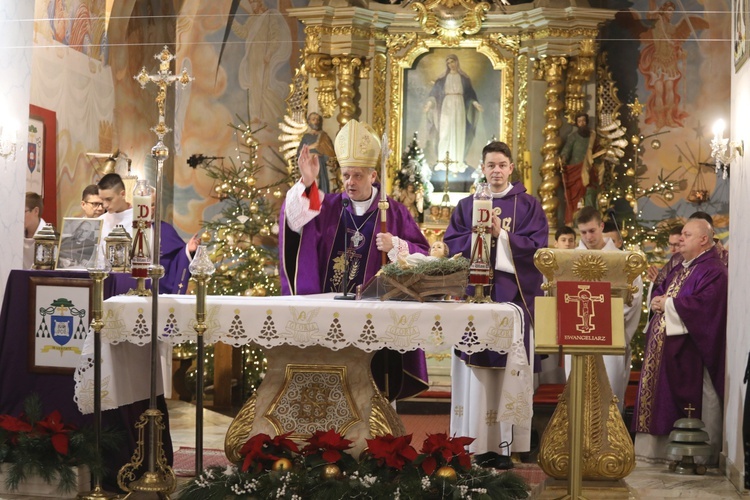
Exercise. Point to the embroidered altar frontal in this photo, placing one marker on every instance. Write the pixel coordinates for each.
(318, 320)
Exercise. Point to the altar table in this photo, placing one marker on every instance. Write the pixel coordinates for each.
(319, 352)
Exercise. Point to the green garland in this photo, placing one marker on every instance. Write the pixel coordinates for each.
(366, 482)
(432, 267)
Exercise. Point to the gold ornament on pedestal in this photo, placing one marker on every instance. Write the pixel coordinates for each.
(446, 472)
(331, 471)
(282, 464)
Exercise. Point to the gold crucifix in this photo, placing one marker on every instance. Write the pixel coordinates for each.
(163, 78)
(447, 163)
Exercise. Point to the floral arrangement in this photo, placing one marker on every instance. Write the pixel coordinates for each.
(46, 446)
(390, 468)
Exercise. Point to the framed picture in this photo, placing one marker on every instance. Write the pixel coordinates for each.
(41, 159)
(456, 98)
(451, 99)
(59, 311)
(740, 23)
(79, 238)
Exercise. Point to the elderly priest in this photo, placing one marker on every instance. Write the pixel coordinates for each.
(685, 347)
(329, 235)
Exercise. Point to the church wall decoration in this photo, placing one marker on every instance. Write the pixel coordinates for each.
(741, 20)
(60, 312)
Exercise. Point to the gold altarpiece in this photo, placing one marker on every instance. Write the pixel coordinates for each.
(356, 56)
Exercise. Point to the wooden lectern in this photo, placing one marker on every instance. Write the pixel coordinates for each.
(586, 437)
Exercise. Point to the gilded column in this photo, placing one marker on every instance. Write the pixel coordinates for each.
(522, 145)
(320, 67)
(550, 69)
(347, 68)
(580, 69)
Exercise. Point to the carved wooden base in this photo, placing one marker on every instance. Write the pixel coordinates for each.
(607, 451)
(312, 389)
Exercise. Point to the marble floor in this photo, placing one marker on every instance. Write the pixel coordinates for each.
(647, 482)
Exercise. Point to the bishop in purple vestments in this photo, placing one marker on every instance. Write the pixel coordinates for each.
(686, 335)
(326, 235)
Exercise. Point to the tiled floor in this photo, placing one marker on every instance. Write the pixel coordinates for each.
(647, 482)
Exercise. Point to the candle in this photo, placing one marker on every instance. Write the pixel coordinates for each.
(142, 207)
(527, 157)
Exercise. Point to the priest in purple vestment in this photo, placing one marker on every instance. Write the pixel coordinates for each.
(519, 229)
(684, 362)
(328, 235)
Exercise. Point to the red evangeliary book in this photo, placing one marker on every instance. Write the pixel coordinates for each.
(584, 313)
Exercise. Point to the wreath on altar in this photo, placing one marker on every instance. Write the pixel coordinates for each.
(390, 468)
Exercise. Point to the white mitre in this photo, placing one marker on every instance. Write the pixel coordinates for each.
(357, 145)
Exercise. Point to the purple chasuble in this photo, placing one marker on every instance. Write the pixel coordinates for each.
(174, 260)
(306, 259)
(522, 216)
(358, 237)
(672, 373)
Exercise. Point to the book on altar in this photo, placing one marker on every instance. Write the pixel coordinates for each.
(584, 313)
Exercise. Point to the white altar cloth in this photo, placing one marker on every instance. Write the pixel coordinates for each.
(300, 321)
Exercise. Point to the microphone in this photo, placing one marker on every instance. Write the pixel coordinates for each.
(613, 217)
(345, 280)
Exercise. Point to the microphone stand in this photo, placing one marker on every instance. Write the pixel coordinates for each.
(345, 280)
(612, 216)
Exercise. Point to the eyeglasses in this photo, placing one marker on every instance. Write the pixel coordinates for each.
(95, 204)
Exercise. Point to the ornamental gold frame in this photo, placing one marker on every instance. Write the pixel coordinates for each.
(403, 50)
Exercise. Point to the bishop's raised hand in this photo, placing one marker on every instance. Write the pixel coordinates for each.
(309, 166)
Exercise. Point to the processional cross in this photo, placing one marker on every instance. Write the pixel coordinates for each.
(159, 476)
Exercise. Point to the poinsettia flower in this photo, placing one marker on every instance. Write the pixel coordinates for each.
(260, 451)
(13, 424)
(330, 442)
(282, 441)
(441, 450)
(396, 452)
(52, 424)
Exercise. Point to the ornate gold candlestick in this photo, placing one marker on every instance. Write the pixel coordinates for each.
(98, 268)
(201, 269)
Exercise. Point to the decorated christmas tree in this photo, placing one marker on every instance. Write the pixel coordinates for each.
(411, 185)
(242, 238)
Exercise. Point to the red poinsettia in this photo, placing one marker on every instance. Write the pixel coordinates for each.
(261, 451)
(329, 442)
(396, 452)
(442, 450)
(58, 431)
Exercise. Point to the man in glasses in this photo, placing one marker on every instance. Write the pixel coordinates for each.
(91, 203)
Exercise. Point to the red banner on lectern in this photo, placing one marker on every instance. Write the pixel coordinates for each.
(584, 313)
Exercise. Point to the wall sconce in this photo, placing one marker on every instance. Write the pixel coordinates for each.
(724, 151)
(8, 140)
